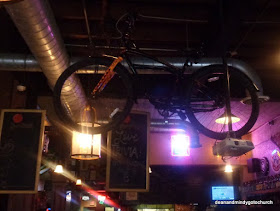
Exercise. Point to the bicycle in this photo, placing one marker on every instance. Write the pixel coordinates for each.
(202, 99)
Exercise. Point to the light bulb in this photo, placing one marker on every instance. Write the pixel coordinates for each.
(58, 169)
(79, 182)
(228, 168)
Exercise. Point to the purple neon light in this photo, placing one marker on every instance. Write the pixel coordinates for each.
(180, 145)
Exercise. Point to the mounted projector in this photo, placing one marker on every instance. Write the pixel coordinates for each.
(232, 147)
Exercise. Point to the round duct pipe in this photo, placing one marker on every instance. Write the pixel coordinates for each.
(20, 62)
(35, 22)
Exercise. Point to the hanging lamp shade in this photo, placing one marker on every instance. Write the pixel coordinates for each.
(86, 146)
(223, 119)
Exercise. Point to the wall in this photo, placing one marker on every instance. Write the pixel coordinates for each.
(265, 139)
(160, 152)
(6, 86)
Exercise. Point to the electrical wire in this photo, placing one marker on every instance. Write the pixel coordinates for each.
(118, 21)
(278, 116)
(173, 19)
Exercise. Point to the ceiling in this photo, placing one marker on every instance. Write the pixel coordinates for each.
(251, 30)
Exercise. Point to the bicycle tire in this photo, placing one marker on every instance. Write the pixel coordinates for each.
(237, 78)
(121, 73)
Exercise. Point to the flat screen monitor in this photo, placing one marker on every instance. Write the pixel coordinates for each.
(222, 193)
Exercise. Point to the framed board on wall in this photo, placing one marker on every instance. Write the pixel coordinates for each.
(127, 154)
(21, 137)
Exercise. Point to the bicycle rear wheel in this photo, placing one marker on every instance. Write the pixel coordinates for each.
(111, 105)
(206, 102)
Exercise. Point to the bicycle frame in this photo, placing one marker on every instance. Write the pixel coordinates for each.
(109, 73)
(194, 97)
(169, 67)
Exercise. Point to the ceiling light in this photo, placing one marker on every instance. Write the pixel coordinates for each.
(86, 146)
(79, 182)
(58, 169)
(101, 199)
(68, 196)
(228, 168)
(224, 119)
(180, 145)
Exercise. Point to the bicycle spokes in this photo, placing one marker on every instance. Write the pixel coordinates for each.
(117, 96)
(207, 102)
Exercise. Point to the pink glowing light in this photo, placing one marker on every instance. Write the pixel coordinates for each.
(276, 151)
(180, 145)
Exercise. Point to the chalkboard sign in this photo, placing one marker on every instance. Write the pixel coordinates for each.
(127, 155)
(21, 136)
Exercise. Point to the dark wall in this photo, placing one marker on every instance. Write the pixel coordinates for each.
(6, 85)
(186, 184)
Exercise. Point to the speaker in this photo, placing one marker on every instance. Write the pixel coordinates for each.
(254, 165)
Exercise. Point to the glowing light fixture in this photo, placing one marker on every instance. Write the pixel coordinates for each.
(68, 196)
(150, 170)
(180, 145)
(224, 119)
(276, 151)
(58, 169)
(228, 168)
(86, 146)
(101, 199)
(79, 182)
(85, 198)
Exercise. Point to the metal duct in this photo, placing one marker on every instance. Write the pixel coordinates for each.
(195, 64)
(19, 62)
(35, 21)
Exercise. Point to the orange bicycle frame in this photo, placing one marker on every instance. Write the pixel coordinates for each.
(108, 75)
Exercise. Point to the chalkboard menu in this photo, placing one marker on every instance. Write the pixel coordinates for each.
(21, 135)
(127, 154)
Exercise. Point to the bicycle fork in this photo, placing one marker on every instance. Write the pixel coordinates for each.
(108, 75)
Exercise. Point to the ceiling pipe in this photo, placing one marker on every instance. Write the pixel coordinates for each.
(87, 23)
(195, 64)
(35, 22)
(20, 62)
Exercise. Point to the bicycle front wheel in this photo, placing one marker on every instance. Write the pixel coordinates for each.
(111, 105)
(206, 105)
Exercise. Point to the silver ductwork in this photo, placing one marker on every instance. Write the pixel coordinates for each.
(195, 64)
(35, 22)
(19, 62)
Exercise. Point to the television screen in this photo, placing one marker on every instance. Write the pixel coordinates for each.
(222, 193)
